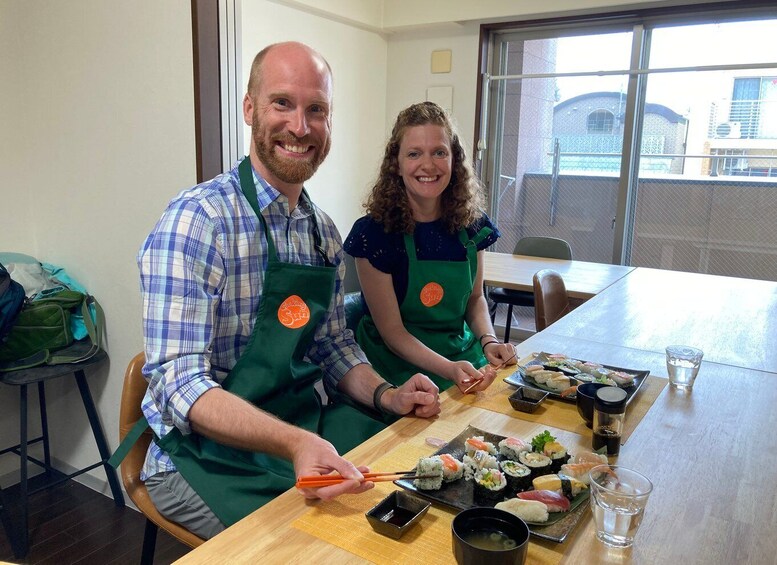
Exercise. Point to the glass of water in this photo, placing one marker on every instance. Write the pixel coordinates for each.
(682, 364)
(618, 500)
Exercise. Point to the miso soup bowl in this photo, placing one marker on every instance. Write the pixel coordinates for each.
(484, 519)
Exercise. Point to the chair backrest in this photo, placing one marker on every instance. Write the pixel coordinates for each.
(353, 309)
(130, 412)
(551, 301)
(351, 280)
(551, 247)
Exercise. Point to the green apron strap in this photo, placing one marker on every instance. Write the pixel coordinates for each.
(129, 440)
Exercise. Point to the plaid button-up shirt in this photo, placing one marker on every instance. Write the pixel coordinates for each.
(202, 274)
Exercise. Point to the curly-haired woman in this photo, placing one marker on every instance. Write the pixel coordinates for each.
(419, 256)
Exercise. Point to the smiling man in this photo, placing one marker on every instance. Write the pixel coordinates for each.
(243, 313)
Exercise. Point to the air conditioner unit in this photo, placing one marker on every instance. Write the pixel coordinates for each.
(728, 130)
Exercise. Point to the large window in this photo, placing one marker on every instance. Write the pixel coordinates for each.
(644, 141)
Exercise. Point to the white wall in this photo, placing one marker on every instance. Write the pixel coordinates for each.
(358, 61)
(101, 134)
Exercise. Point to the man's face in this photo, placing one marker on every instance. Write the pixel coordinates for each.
(290, 116)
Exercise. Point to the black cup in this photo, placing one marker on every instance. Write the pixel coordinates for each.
(490, 520)
(586, 393)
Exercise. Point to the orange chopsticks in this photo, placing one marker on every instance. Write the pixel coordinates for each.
(475, 383)
(316, 481)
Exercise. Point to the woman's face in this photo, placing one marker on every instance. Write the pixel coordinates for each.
(425, 163)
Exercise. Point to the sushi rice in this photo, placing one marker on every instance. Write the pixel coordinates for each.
(429, 466)
(528, 510)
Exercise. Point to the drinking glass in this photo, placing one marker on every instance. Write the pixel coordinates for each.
(618, 499)
(682, 364)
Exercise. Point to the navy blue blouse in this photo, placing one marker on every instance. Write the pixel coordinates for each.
(386, 251)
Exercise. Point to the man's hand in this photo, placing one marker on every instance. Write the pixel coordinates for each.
(319, 457)
(418, 396)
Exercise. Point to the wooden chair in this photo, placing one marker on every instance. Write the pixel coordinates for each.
(551, 247)
(551, 301)
(131, 398)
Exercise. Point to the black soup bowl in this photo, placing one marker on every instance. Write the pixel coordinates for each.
(586, 393)
(488, 536)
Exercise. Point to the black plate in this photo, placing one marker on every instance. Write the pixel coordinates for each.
(459, 494)
(519, 379)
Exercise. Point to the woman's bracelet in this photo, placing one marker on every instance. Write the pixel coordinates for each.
(480, 339)
(483, 346)
(379, 390)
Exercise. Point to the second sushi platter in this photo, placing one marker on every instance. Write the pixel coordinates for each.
(461, 493)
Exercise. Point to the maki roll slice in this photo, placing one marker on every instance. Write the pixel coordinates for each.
(429, 466)
(452, 468)
(539, 463)
(511, 447)
(518, 476)
(479, 460)
(557, 453)
(490, 485)
(478, 443)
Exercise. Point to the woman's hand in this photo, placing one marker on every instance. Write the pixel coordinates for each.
(464, 375)
(499, 354)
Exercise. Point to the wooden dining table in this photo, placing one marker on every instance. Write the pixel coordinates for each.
(733, 320)
(709, 452)
(583, 279)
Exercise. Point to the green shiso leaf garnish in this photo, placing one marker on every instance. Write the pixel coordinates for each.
(539, 441)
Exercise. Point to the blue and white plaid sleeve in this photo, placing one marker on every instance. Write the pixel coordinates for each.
(182, 276)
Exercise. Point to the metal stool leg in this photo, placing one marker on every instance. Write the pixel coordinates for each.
(23, 534)
(508, 323)
(149, 543)
(99, 438)
(44, 426)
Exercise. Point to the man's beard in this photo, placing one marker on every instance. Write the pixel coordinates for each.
(292, 171)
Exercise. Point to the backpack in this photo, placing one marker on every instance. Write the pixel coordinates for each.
(43, 335)
(11, 302)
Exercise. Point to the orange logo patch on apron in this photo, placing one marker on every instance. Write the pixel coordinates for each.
(293, 312)
(431, 294)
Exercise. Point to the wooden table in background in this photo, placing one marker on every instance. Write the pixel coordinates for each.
(582, 279)
(733, 320)
(707, 452)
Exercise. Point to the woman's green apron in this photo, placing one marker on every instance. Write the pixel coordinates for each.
(433, 311)
(273, 375)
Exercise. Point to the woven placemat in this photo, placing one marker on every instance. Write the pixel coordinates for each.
(341, 522)
(558, 413)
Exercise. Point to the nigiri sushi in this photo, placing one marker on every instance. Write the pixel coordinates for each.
(529, 510)
(554, 501)
(579, 471)
(565, 485)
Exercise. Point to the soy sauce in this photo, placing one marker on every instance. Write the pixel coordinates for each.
(398, 516)
(605, 437)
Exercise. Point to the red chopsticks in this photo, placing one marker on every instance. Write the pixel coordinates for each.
(316, 481)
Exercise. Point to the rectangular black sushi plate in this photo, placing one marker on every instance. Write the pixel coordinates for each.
(460, 494)
(519, 379)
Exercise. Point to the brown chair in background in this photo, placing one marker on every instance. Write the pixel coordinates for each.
(131, 397)
(551, 301)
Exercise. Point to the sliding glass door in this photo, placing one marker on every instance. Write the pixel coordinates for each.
(648, 142)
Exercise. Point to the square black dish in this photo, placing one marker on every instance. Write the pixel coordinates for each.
(396, 513)
(460, 494)
(527, 399)
(519, 378)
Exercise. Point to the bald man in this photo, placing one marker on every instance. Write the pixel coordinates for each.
(243, 313)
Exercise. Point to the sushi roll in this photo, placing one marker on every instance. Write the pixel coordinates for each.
(518, 476)
(490, 485)
(527, 510)
(477, 443)
(452, 468)
(557, 453)
(539, 463)
(511, 447)
(567, 486)
(479, 460)
(429, 466)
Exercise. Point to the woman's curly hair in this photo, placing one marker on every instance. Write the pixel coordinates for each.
(462, 200)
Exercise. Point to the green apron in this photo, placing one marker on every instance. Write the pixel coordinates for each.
(271, 374)
(433, 312)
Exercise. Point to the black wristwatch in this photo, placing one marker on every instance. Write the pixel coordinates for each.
(379, 390)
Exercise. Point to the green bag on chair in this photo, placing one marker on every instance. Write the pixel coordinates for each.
(42, 333)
